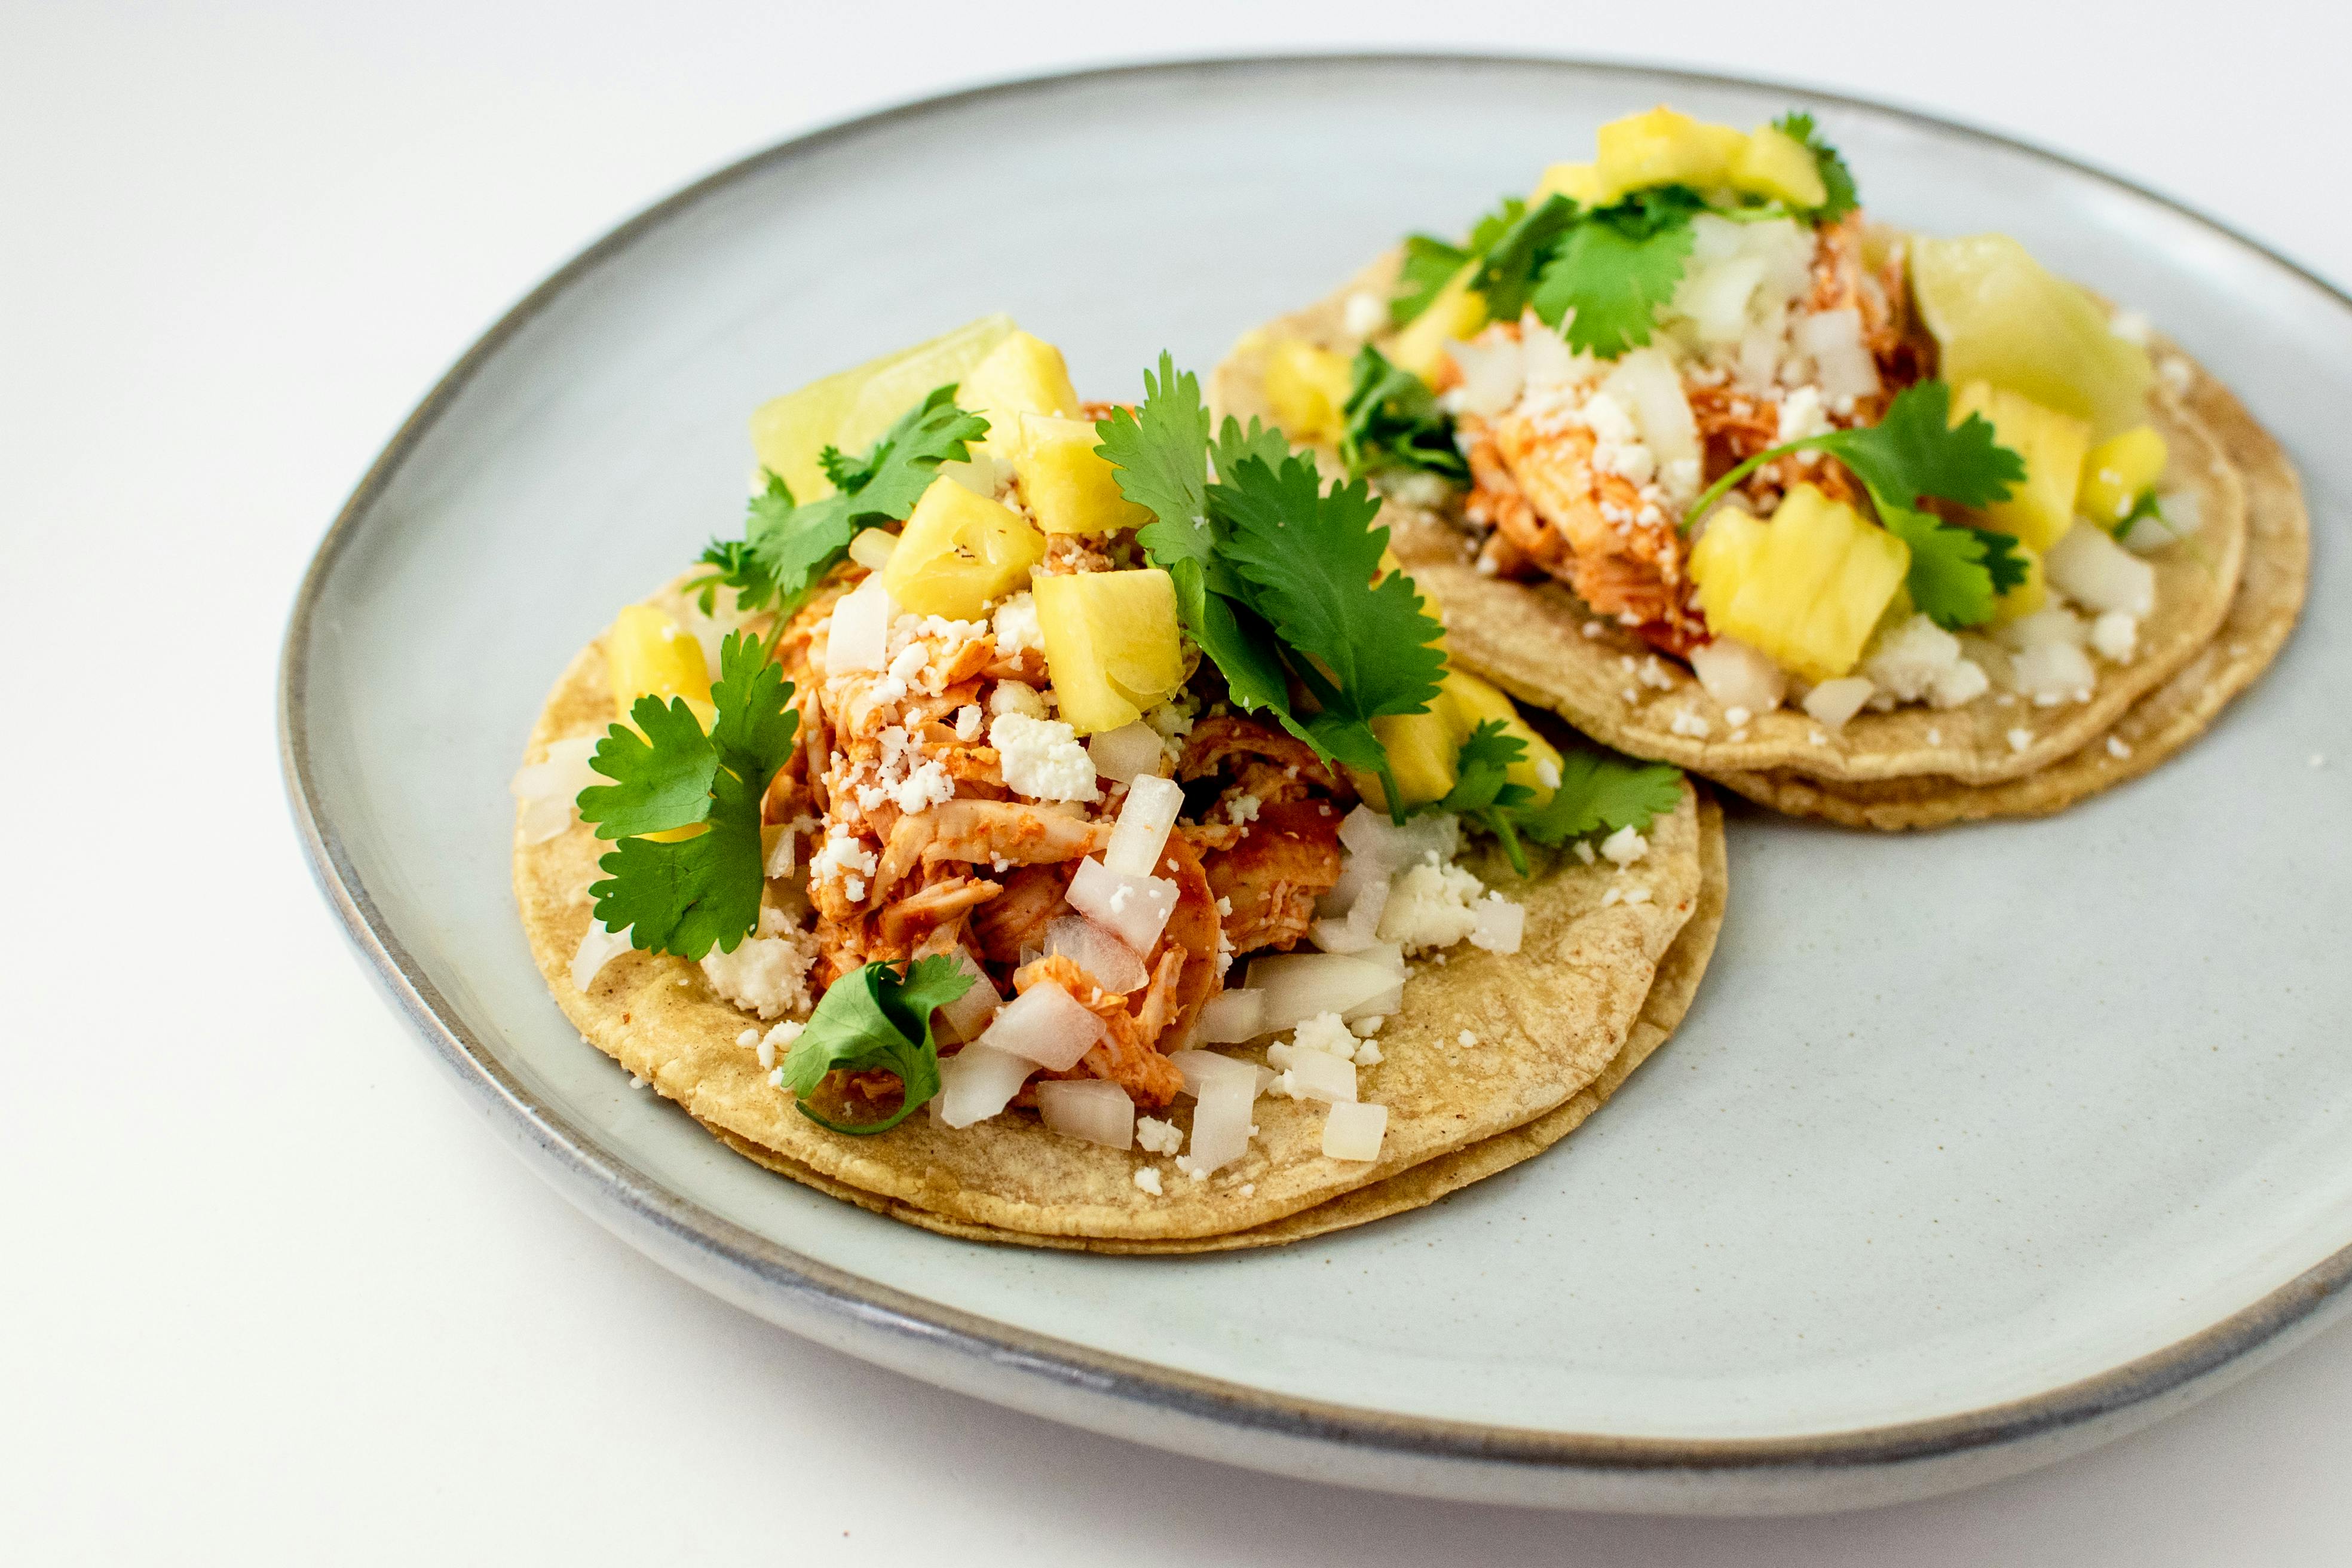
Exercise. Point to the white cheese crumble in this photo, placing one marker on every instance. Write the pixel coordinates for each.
(1042, 758)
(1625, 847)
(1326, 1032)
(2020, 738)
(1429, 906)
(1365, 314)
(969, 720)
(2114, 636)
(1015, 624)
(1154, 1136)
(2116, 748)
(1688, 724)
(766, 974)
(1148, 1178)
(1016, 696)
(842, 857)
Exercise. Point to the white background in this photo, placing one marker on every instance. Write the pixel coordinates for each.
(268, 1291)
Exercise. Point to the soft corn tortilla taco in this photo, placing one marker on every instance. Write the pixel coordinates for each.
(1485, 1044)
(1672, 991)
(1542, 644)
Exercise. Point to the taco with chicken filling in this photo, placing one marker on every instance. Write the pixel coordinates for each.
(1062, 823)
(1861, 523)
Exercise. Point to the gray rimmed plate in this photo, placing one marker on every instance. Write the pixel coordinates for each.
(1980, 1146)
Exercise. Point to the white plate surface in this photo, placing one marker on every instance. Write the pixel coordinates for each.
(1978, 1147)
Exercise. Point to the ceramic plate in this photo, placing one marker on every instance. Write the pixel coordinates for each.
(1980, 1146)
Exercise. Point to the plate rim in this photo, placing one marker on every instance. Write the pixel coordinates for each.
(643, 1210)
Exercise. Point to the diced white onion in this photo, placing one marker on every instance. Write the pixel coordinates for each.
(2053, 672)
(1221, 1120)
(548, 789)
(1045, 1025)
(1389, 955)
(1492, 375)
(1647, 382)
(1319, 1074)
(1201, 1069)
(1550, 362)
(1359, 929)
(873, 547)
(982, 474)
(2050, 627)
(977, 1083)
(1122, 754)
(598, 947)
(1502, 924)
(1101, 954)
(860, 638)
(965, 1017)
(1737, 675)
(1091, 1109)
(1134, 907)
(1714, 297)
(1354, 1130)
(1300, 985)
(1232, 1016)
(2182, 513)
(1833, 340)
(1149, 811)
(1370, 833)
(2091, 568)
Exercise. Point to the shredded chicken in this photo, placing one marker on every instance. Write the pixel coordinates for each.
(1271, 880)
(1127, 1056)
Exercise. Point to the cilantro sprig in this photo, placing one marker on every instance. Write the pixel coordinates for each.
(789, 544)
(1599, 792)
(1611, 271)
(689, 895)
(1277, 580)
(1836, 178)
(875, 1019)
(1914, 452)
(1393, 421)
(1430, 263)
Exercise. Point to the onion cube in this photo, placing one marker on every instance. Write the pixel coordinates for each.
(1151, 808)
(1501, 924)
(598, 947)
(1091, 1109)
(860, 638)
(1737, 675)
(1300, 985)
(1221, 1120)
(977, 1083)
(1109, 960)
(1202, 1068)
(1135, 908)
(1319, 1074)
(1126, 752)
(873, 547)
(1045, 1027)
(2092, 569)
(968, 1014)
(1232, 1016)
(1354, 1129)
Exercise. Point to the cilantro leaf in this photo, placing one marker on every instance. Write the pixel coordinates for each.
(874, 1020)
(1362, 647)
(1393, 421)
(1952, 580)
(689, 894)
(789, 544)
(1156, 450)
(1482, 788)
(1836, 178)
(1429, 265)
(1516, 252)
(1602, 790)
(1604, 283)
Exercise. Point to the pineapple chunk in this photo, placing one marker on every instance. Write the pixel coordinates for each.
(2041, 510)
(1111, 645)
(1806, 588)
(2028, 596)
(851, 409)
(1309, 389)
(2117, 472)
(1455, 312)
(1023, 375)
(1580, 182)
(1776, 165)
(958, 551)
(1474, 702)
(646, 654)
(1423, 750)
(1998, 316)
(1661, 147)
(1068, 486)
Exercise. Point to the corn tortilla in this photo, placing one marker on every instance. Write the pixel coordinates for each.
(1548, 1021)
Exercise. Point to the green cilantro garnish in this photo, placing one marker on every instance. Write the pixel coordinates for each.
(789, 545)
(1599, 792)
(1514, 256)
(1393, 422)
(1430, 263)
(1264, 548)
(874, 1020)
(1914, 452)
(1609, 274)
(1836, 178)
(684, 896)
(1482, 788)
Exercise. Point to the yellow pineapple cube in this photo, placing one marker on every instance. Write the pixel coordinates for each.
(1580, 182)
(1423, 752)
(1806, 587)
(852, 409)
(1998, 315)
(1069, 487)
(646, 654)
(2028, 596)
(1309, 389)
(1776, 165)
(1457, 313)
(2117, 472)
(1023, 375)
(2041, 510)
(1661, 147)
(1111, 645)
(958, 551)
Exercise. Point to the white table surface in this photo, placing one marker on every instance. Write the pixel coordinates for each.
(268, 1291)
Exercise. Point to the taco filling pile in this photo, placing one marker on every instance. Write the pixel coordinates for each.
(1859, 521)
(1059, 820)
